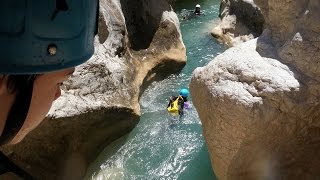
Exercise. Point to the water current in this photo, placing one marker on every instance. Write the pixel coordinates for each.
(163, 146)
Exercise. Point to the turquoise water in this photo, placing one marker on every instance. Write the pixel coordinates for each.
(163, 146)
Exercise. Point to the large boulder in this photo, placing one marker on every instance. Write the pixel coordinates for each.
(259, 102)
(100, 101)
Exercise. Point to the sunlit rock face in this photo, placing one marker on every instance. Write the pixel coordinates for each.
(100, 101)
(294, 31)
(240, 21)
(259, 102)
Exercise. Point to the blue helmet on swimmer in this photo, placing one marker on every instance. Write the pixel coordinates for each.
(43, 36)
(184, 92)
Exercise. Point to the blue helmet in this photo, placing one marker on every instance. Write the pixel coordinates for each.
(184, 92)
(47, 35)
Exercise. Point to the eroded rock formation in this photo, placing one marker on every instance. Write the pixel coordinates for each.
(240, 21)
(100, 102)
(259, 102)
(142, 20)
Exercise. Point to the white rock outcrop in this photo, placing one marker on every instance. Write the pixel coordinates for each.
(236, 95)
(259, 102)
(240, 21)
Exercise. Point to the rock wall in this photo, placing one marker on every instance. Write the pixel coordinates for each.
(259, 102)
(295, 33)
(240, 21)
(100, 101)
(142, 20)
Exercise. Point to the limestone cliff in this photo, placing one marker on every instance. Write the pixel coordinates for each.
(240, 21)
(100, 102)
(259, 102)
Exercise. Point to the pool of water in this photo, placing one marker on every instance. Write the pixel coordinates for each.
(163, 146)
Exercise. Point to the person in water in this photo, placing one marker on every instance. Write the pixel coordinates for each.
(177, 103)
(192, 13)
(197, 10)
(38, 55)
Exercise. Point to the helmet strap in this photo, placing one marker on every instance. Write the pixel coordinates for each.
(18, 113)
